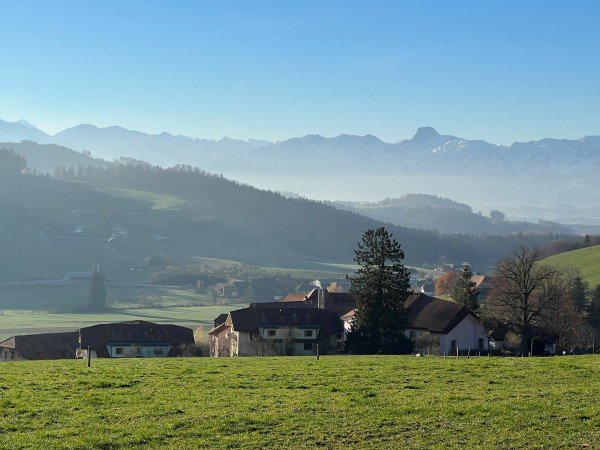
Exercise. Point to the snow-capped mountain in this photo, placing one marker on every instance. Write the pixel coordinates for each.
(427, 152)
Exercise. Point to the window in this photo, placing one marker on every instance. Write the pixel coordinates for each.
(159, 351)
(308, 333)
(480, 344)
(119, 351)
(271, 333)
(340, 336)
(413, 335)
(308, 346)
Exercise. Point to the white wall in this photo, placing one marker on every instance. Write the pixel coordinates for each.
(466, 334)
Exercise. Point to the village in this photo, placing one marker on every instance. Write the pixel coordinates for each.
(312, 322)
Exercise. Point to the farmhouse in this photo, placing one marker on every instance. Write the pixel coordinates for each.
(136, 338)
(274, 329)
(39, 346)
(454, 324)
(450, 325)
(117, 340)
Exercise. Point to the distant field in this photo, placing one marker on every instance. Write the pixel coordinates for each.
(337, 402)
(66, 297)
(586, 259)
(158, 201)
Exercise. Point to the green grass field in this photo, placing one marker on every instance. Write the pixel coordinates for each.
(586, 259)
(158, 201)
(337, 402)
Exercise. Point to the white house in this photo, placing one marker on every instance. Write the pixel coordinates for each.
(265, 329)
(453, 323)
(450, 325)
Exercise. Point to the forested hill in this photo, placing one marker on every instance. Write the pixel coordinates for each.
(256, 222)
(423, 211)
(44, 158)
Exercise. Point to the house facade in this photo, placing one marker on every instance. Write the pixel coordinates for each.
(265, 329)
(135, 339)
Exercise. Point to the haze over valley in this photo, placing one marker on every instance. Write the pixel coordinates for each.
(550, 179)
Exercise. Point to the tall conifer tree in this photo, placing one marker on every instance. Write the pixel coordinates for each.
(464, 290)
(380, 287)
(97, 297)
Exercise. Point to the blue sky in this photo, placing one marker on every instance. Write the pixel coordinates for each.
(500, 71)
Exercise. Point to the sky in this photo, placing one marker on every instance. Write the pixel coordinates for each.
(500, 71)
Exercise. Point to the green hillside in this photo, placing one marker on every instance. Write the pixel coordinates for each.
(585, 259)
(338, 402)
(123, 216)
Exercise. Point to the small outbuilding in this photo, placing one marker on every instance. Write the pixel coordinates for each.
(33, 347)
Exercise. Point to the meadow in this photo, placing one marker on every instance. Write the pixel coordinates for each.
(587, 260)
(335, 402)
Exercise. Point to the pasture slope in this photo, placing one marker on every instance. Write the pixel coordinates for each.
(336, 402)
(585, 259)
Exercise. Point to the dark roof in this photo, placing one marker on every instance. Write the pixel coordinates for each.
(250, 319)
(221, 318)
(433, 314)
(300, 296)
(44, 346)
(281, 304)
(338, 302)
(135, 332)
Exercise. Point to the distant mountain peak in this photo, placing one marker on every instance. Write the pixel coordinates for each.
(424, 134)
(26, 124)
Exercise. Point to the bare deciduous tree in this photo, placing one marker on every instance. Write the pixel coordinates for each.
(522, 295)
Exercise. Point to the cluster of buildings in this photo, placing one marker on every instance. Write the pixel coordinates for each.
(298, 323)
(135, 338)
(316, 321)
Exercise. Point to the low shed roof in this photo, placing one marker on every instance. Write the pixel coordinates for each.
(44, 346)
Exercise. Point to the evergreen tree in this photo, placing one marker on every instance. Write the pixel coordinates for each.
(594, 310)
(97, 297)
(464, 290)
(576, 290)
(11, 162)
(380, 287)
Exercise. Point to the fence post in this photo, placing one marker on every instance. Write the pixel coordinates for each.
(89, 356)
(317, 351)
(457, 352)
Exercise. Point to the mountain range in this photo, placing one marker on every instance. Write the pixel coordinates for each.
(427, 149)
(547, 171)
